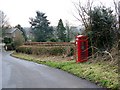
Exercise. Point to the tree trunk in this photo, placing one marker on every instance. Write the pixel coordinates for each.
(119, 26)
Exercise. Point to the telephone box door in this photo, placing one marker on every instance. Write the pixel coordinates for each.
(81, 48)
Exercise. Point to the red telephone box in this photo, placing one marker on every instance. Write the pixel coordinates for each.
(81, 48)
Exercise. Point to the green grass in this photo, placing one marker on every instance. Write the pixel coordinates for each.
(100, 72)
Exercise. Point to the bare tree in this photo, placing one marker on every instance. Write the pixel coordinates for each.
(84, 14)
(116, 4)
(119, 28)
(3, 19)
(4, 24)
(117, 10)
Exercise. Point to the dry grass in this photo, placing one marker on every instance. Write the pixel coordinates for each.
(52, 58)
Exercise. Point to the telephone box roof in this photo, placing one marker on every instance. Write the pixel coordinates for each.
(80, 35)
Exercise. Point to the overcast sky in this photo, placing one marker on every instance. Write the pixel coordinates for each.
(19, 11)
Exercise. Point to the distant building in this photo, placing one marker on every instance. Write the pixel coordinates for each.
(13, 33)
(29, 33)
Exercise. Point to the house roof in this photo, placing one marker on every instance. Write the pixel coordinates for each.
(10, 30)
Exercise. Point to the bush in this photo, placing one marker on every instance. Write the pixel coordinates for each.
(44, 50)
(10, 46)
(7, 40)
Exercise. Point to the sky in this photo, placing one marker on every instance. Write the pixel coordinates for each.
(19, 11)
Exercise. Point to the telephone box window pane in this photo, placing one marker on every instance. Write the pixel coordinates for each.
(83, 51)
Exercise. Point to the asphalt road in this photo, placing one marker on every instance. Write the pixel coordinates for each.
(18, 73)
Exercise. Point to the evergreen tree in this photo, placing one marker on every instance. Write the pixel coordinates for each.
(102, 27)
(40, 26)
(61, 31)
(68, 32)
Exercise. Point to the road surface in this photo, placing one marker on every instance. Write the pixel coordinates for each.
(18, 73)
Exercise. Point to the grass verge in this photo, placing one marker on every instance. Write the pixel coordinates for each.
(100, 72)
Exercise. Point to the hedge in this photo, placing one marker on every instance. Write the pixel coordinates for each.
(44, 50)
